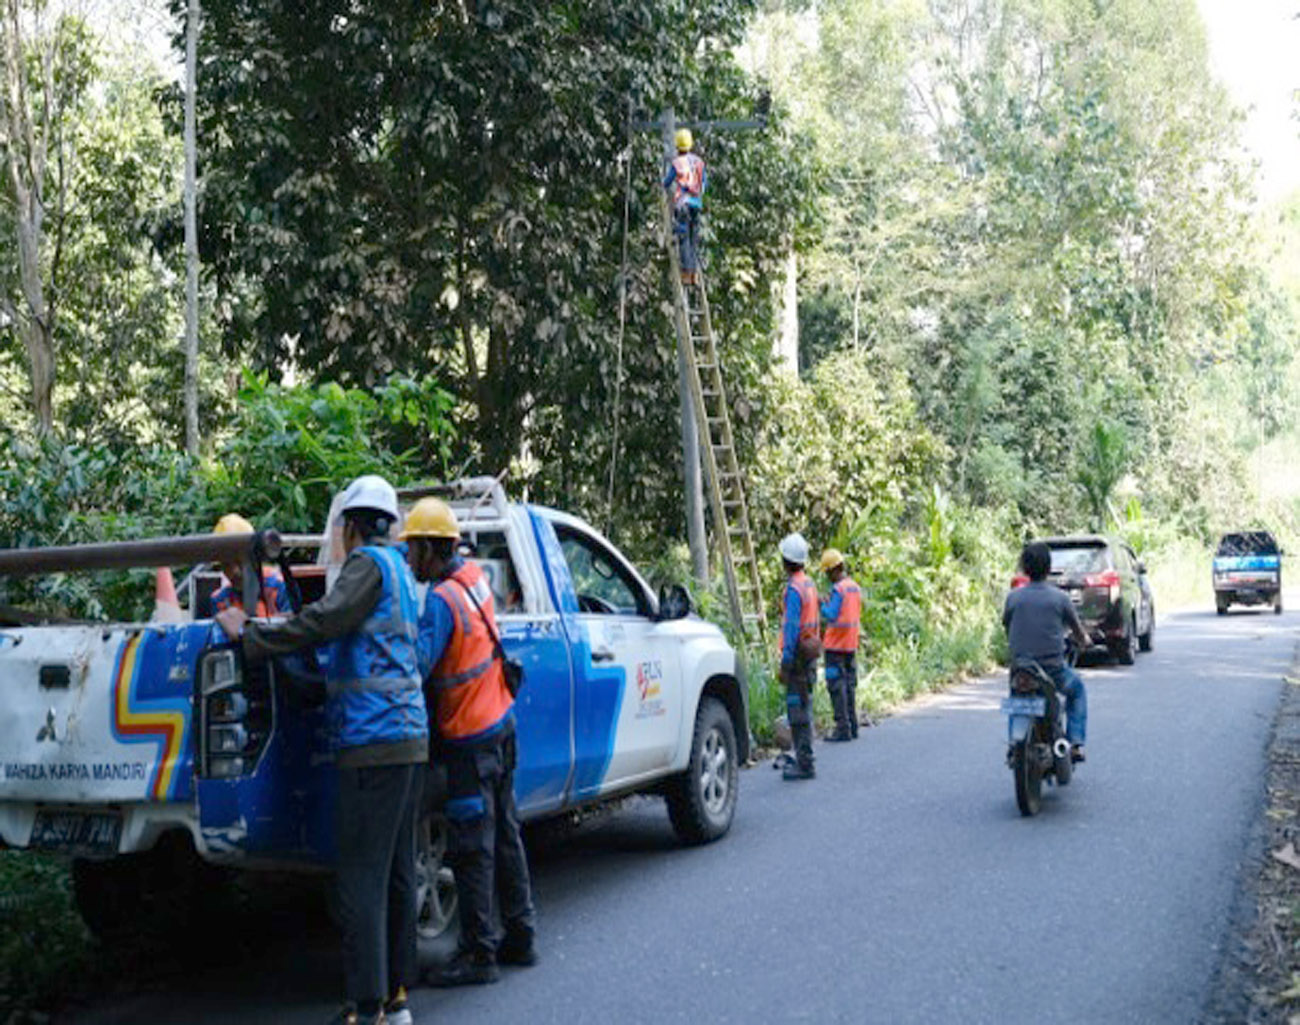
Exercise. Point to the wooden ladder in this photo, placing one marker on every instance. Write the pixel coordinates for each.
(733, 540)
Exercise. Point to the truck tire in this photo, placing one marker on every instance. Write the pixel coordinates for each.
(435, 886)
(702, 800)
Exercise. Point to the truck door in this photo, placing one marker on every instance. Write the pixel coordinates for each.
(532, 632)
(628, 695)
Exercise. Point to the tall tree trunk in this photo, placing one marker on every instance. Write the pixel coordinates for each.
(27, 150)
(500, 406)
(191, 237)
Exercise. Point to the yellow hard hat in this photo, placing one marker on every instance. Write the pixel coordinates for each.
(684, 140)
(830, 559)
(430, 517)
(232, 523)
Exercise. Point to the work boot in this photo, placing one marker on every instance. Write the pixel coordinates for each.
(838, 737)
(349, 1015)
(517, 949)
(465, 969)
(398, 1010)
(796, 771)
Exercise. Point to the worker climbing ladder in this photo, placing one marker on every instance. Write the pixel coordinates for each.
(733, 539)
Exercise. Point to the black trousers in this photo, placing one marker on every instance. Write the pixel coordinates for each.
(375, 821)
(798, 680)
(485, 849)
(842, 685)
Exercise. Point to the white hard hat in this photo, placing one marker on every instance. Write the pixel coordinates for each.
(370, 492)
(794, 549)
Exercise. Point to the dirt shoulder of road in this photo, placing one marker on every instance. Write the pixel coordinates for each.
(1258, 981)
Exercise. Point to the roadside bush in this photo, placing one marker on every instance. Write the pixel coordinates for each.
(290, 449)
(42, 939)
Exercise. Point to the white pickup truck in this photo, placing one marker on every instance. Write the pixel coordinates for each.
(147, 750)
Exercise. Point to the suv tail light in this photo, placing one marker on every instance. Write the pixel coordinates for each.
(1108, 579)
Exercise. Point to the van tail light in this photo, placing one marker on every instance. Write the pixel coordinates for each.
(1109, 579)
(1019, 580)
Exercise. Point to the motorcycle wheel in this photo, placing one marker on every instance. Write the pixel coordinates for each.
(1029, 779)
(1064, 769)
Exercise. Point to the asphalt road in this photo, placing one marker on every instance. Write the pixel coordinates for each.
(901, 885)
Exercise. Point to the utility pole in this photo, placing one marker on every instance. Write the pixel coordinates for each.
(690, 429)
(191, 234)
(695, 534)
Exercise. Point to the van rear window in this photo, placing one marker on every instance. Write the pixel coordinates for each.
(1250, 542)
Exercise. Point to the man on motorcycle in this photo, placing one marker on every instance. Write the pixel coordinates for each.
(1036, 618)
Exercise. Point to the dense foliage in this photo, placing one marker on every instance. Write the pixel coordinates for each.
(1031, 295)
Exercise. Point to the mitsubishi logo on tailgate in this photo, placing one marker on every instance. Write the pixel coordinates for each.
(46, 732)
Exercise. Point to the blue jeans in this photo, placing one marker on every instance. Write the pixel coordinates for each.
(1069, 683)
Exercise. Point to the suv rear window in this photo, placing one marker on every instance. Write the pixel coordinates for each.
(1250, 542)
(1080, 558)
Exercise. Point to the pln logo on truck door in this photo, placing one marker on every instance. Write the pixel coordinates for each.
(649, 681)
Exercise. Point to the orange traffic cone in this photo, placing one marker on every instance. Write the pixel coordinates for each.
(166, 606)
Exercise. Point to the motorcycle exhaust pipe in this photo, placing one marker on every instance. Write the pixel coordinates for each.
(1061, 748)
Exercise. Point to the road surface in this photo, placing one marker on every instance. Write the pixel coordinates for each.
(901, 885)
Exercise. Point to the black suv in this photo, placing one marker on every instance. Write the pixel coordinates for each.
(1108, 584)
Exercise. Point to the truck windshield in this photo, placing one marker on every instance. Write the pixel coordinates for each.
(1251, 542)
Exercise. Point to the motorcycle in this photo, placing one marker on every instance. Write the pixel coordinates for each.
(1039, 748)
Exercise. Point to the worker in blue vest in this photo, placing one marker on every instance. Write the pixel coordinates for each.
(686, 180)
(472, 709)
(380, 729)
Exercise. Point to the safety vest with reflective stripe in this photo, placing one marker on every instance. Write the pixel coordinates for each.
(373, 681)
(842, 634)
(688, 185)
(469, 680)
(272, 587)
(807, 592)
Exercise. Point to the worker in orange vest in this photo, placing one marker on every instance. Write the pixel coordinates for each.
(842, 611)
(800, 649)
(272, 600)
(686, 180)
(472, 710)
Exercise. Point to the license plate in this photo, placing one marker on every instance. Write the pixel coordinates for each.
(76, 832)
(1024, 706)
(1076, 597)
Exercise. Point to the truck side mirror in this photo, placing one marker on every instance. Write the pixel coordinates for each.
(674, 603)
